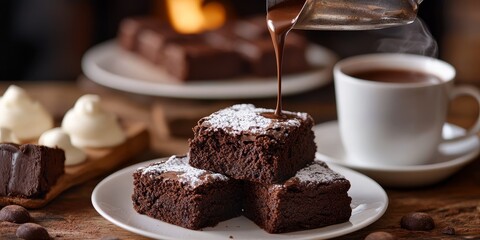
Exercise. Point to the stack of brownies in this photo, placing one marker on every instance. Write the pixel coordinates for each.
(242, 161)
(239, 48)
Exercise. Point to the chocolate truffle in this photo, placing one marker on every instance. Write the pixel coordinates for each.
(32, 231)
(417, 221)
(14, 214)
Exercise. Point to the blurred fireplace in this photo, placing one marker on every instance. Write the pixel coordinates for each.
(199, 15)
(194, 16)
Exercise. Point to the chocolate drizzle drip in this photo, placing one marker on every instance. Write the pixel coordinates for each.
(280, 20)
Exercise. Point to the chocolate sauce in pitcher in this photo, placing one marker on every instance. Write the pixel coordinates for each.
(280, 20)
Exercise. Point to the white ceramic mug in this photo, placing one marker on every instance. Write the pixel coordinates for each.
(385, 123)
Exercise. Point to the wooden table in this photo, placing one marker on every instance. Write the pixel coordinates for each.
(454, 202)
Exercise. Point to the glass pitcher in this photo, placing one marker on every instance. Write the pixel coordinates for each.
(353, 14)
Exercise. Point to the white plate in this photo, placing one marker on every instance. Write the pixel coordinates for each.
(451, 157)
(111, 66)
(112, 199)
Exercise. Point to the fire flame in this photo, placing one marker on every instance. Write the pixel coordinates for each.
(191, 16)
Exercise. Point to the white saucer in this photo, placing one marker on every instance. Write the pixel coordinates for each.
(109, 65)
(112, 199)
(451, 158)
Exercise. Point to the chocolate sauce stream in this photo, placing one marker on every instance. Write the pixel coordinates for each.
(280, 20)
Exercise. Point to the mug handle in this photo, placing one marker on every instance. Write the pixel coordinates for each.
(466, 90)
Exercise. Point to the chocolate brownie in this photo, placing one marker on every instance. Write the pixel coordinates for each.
(184, 56)
(261, 56)
(199, 61)
(251, 40)
(240, 47)
(152, 42)
(130, 29)
(177, 193)
(315, 197)
(242, 143)
(29, 170)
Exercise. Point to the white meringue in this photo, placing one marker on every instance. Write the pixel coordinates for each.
(7, 136)
(56, 137)
(26, 118)
(89, 125)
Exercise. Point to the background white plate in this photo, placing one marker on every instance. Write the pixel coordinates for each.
(112, 199)
(451, 157)
(111, 66)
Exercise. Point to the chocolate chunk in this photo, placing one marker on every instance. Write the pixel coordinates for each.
(380, 236)
(417, 221)
(32, 231)
(14, 214)
(448, 231)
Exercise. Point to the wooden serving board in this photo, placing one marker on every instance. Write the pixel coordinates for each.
(99, 161)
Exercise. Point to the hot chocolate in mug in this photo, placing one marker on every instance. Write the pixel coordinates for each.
(392, 107)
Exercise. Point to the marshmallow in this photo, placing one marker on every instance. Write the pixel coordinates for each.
(7, 136)
(89, 125)
(56, 137)
(27, 119)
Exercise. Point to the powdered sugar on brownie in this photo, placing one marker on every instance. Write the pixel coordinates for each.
(241, 118)
(318, 172)
(185, 173)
